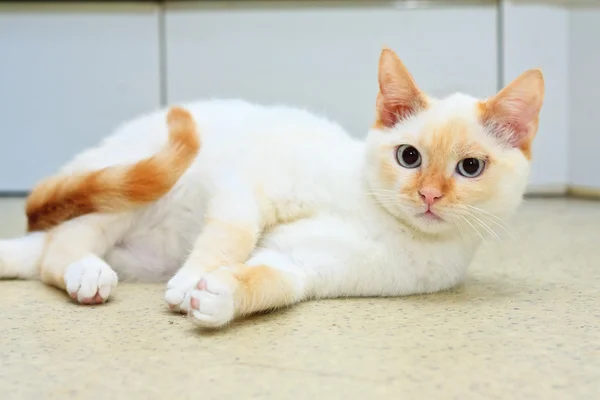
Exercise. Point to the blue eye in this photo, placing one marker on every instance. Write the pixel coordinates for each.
(470, 167)
(408, 157)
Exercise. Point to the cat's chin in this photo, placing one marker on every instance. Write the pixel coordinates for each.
(433, 222)
(430, 223)
(430, 216)
(427, 223)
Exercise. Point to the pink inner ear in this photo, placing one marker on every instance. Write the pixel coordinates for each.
(395, 106)
(510, 120)
(512, 134)
(390, 115)
(512, 114)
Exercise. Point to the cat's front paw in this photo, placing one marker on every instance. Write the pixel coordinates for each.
(90, 280)
(179, 289)
(212, 302)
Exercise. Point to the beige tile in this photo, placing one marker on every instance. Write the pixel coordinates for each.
(524, 326)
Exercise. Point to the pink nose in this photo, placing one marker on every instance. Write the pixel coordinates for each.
(430, 195)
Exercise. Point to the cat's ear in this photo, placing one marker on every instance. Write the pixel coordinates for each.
(512, 115)
(399, 97)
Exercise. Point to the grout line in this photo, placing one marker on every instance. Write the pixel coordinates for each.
(500, 43)
(162, 54)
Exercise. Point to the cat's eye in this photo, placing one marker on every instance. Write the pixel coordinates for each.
(408, 156)
(470, 167)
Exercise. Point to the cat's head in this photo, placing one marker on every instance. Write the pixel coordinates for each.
(450, 164)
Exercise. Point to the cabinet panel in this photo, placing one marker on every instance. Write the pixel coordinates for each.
(69, 74)
(536, 36)
(585, 99)
(324, 58)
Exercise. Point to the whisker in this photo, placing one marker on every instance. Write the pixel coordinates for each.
(500, 225)
(492, 218)
(488, 229)
(475, 229)
(482, 211)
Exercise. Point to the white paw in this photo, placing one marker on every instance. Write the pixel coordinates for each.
(179, 289)
(90, 280)
(212, 303)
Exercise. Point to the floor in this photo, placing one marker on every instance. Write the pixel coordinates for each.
(525, 325)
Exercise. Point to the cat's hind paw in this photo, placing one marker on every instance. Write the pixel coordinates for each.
(90, 280)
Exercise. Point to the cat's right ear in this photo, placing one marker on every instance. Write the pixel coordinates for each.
(513, 114)
(398, 97)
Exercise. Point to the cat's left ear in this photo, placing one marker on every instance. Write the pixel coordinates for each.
(399, 97)
(512, 115)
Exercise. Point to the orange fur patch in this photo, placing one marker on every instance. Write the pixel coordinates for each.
(119, 187)
(223, 243)
(259, 288)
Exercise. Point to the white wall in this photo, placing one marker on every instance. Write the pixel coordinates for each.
(68, 75)
(584, 42)
(536, 35)
(325, 58)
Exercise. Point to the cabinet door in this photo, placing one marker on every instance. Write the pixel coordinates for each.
(324, 58)
(536, 36)
(69, 74)
(584, 135)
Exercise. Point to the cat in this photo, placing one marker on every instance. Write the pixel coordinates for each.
(250, 208)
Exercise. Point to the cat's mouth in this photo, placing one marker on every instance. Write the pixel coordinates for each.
(430, 215)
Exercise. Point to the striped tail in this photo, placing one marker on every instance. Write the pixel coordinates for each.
(116, 188)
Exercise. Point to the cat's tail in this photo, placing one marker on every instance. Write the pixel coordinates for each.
(116, 188)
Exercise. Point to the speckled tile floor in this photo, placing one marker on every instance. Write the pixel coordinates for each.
(525, 325)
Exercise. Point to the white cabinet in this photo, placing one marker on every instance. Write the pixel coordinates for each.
(536, 36)
(68, 74)
(585, 100)
(324, 58)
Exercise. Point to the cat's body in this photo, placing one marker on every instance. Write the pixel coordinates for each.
(281, 205)
(278, 153)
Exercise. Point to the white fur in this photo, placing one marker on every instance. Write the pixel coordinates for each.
(88, 276)
(346, 244)
(20, 257)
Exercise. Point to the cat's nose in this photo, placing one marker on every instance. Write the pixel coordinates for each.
(430, 195)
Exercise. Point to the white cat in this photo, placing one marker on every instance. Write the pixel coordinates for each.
(280, 206)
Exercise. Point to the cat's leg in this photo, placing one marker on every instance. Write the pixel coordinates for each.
(67, 256)
(308, 259)
(72, 257)
(231, 229)
(270, 280)
(20, 257)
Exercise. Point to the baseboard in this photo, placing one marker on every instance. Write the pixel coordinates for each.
(10, 194)
(584, 192)
(557, 190)
(551, 190)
